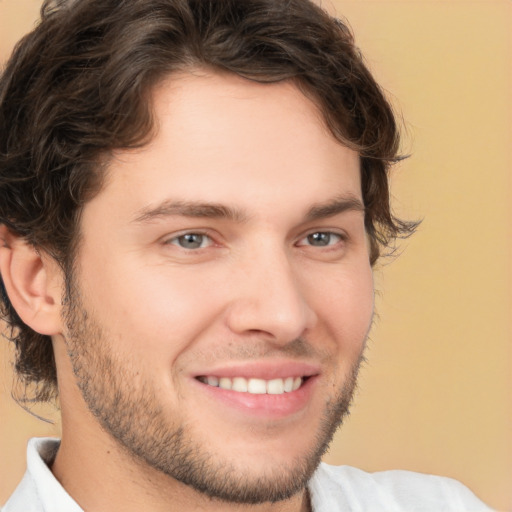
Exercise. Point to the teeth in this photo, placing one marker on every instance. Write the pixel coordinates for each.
(275, 387)
(225, 383)
(212, 381)
(255, 386)
(239, 385)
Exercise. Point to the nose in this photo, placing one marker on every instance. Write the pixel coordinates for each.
(269, 299)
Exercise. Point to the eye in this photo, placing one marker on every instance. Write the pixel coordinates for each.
(321, 239)
(191, 241)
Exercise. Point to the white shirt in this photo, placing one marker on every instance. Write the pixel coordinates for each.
(343, 489)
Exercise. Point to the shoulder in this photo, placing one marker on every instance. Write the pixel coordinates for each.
(346, 488)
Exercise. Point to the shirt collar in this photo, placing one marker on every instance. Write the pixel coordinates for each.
(39, 490)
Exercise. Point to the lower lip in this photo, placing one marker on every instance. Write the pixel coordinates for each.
(264, 405)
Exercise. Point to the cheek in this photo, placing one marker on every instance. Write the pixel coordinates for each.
(153, 311)
(346, 308)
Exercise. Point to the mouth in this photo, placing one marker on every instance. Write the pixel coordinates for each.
(260, 390)
(254, 386)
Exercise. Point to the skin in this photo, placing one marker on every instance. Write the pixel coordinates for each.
(260, 296)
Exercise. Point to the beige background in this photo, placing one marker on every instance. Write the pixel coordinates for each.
(436, 394)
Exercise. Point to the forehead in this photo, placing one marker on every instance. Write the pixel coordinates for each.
(218, 135)
(227, 96)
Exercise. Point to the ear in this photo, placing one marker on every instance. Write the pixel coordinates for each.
(33, 281)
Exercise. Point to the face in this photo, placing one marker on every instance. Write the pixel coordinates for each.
(222, 291)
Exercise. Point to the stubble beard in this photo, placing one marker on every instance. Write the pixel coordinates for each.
(134, 418)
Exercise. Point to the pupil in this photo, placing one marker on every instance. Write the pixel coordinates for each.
(319, 239)
(191, 241)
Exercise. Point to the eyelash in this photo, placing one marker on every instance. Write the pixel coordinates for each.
(175, 240)
(339, 236)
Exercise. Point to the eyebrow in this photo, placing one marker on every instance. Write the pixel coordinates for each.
(199, 209)
(190, 209)
(336, 206)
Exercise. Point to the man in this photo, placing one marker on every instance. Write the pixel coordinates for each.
(192, 196)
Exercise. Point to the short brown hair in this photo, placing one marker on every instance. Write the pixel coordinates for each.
(78, 87)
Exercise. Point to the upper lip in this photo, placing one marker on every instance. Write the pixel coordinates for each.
(266, 370)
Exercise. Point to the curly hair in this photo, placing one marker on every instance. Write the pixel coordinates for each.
(79, 86)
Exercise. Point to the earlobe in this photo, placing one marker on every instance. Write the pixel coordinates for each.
(33, 283)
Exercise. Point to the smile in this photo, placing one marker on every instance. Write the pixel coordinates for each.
(254, 386)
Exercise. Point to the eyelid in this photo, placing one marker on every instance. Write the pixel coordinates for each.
(169, 239)
(343, 237)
